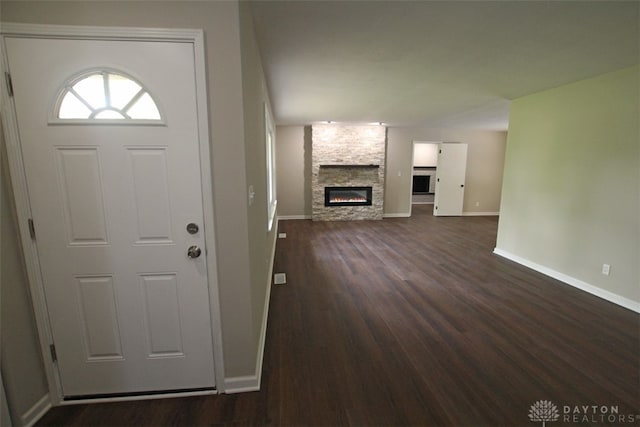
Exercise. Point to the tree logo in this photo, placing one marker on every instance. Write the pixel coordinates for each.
(543, 410)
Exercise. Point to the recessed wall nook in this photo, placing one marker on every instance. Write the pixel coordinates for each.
(348, 171)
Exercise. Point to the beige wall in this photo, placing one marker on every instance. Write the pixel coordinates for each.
(21, 363)
(294, 171)
(570, 201)
(235, 130)
(485, 163)
(261, 240)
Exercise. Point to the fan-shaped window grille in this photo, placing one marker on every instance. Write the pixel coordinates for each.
(106, 95)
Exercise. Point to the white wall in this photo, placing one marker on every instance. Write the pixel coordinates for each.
(425, 154)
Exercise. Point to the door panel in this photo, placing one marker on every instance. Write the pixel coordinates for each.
(450, 176)
(149, 175)
(129, 311)
(162, 314)
(80, 183)
(99, 317)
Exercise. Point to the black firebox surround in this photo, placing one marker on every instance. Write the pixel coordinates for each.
(328, 190)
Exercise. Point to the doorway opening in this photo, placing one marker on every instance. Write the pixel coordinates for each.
(423, 172)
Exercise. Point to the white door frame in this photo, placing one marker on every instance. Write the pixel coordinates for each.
(413, 151)
(18, 179)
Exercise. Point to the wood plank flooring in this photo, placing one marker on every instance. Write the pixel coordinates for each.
(413, 322)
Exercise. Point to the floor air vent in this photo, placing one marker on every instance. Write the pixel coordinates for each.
(280, 278)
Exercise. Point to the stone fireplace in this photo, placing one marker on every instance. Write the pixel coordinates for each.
(348, 167)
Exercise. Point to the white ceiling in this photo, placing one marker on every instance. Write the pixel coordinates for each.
(433, 63)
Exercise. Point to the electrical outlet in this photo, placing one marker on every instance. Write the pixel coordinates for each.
(606, 269)
(282, 235)
(477, 204)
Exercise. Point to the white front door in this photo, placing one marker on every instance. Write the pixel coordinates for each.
(450, 176)
(111, 201)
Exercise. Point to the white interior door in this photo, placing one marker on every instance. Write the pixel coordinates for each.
(111, 200)
(450, 176)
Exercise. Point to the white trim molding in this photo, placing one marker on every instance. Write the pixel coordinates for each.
(397, 215)
(37, 411)
(177, 394)
(572, 281)
(480, 213)
(288, 217)
(242, 384)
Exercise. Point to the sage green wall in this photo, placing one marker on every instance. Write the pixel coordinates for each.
(239, 275)
(22, 369)
(570, 200)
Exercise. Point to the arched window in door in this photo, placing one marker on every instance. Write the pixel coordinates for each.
(105, 95)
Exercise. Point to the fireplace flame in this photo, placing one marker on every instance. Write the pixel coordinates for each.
(347, 200)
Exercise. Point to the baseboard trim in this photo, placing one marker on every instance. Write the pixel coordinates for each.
(36, 412)
(243, 384)
(287, 217)
(572, 281)
(396, 215)
(480, 213)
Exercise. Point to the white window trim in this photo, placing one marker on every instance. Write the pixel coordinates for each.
(270, 150)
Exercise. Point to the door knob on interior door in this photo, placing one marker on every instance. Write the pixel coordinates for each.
(193, 252)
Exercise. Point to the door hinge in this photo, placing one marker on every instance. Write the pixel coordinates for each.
(32, 229)
(7, 77)
(54, 356)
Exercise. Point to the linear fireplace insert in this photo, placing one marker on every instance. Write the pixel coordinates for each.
(347, 196)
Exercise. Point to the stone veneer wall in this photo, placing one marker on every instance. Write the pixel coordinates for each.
(355, 147)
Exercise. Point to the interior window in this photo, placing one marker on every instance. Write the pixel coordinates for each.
(106, 95)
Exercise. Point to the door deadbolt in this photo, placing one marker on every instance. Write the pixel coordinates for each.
(192, 228)
(193, 252)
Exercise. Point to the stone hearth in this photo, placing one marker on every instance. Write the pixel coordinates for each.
(347, 156)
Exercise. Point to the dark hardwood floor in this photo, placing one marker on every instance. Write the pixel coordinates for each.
(414, 322)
